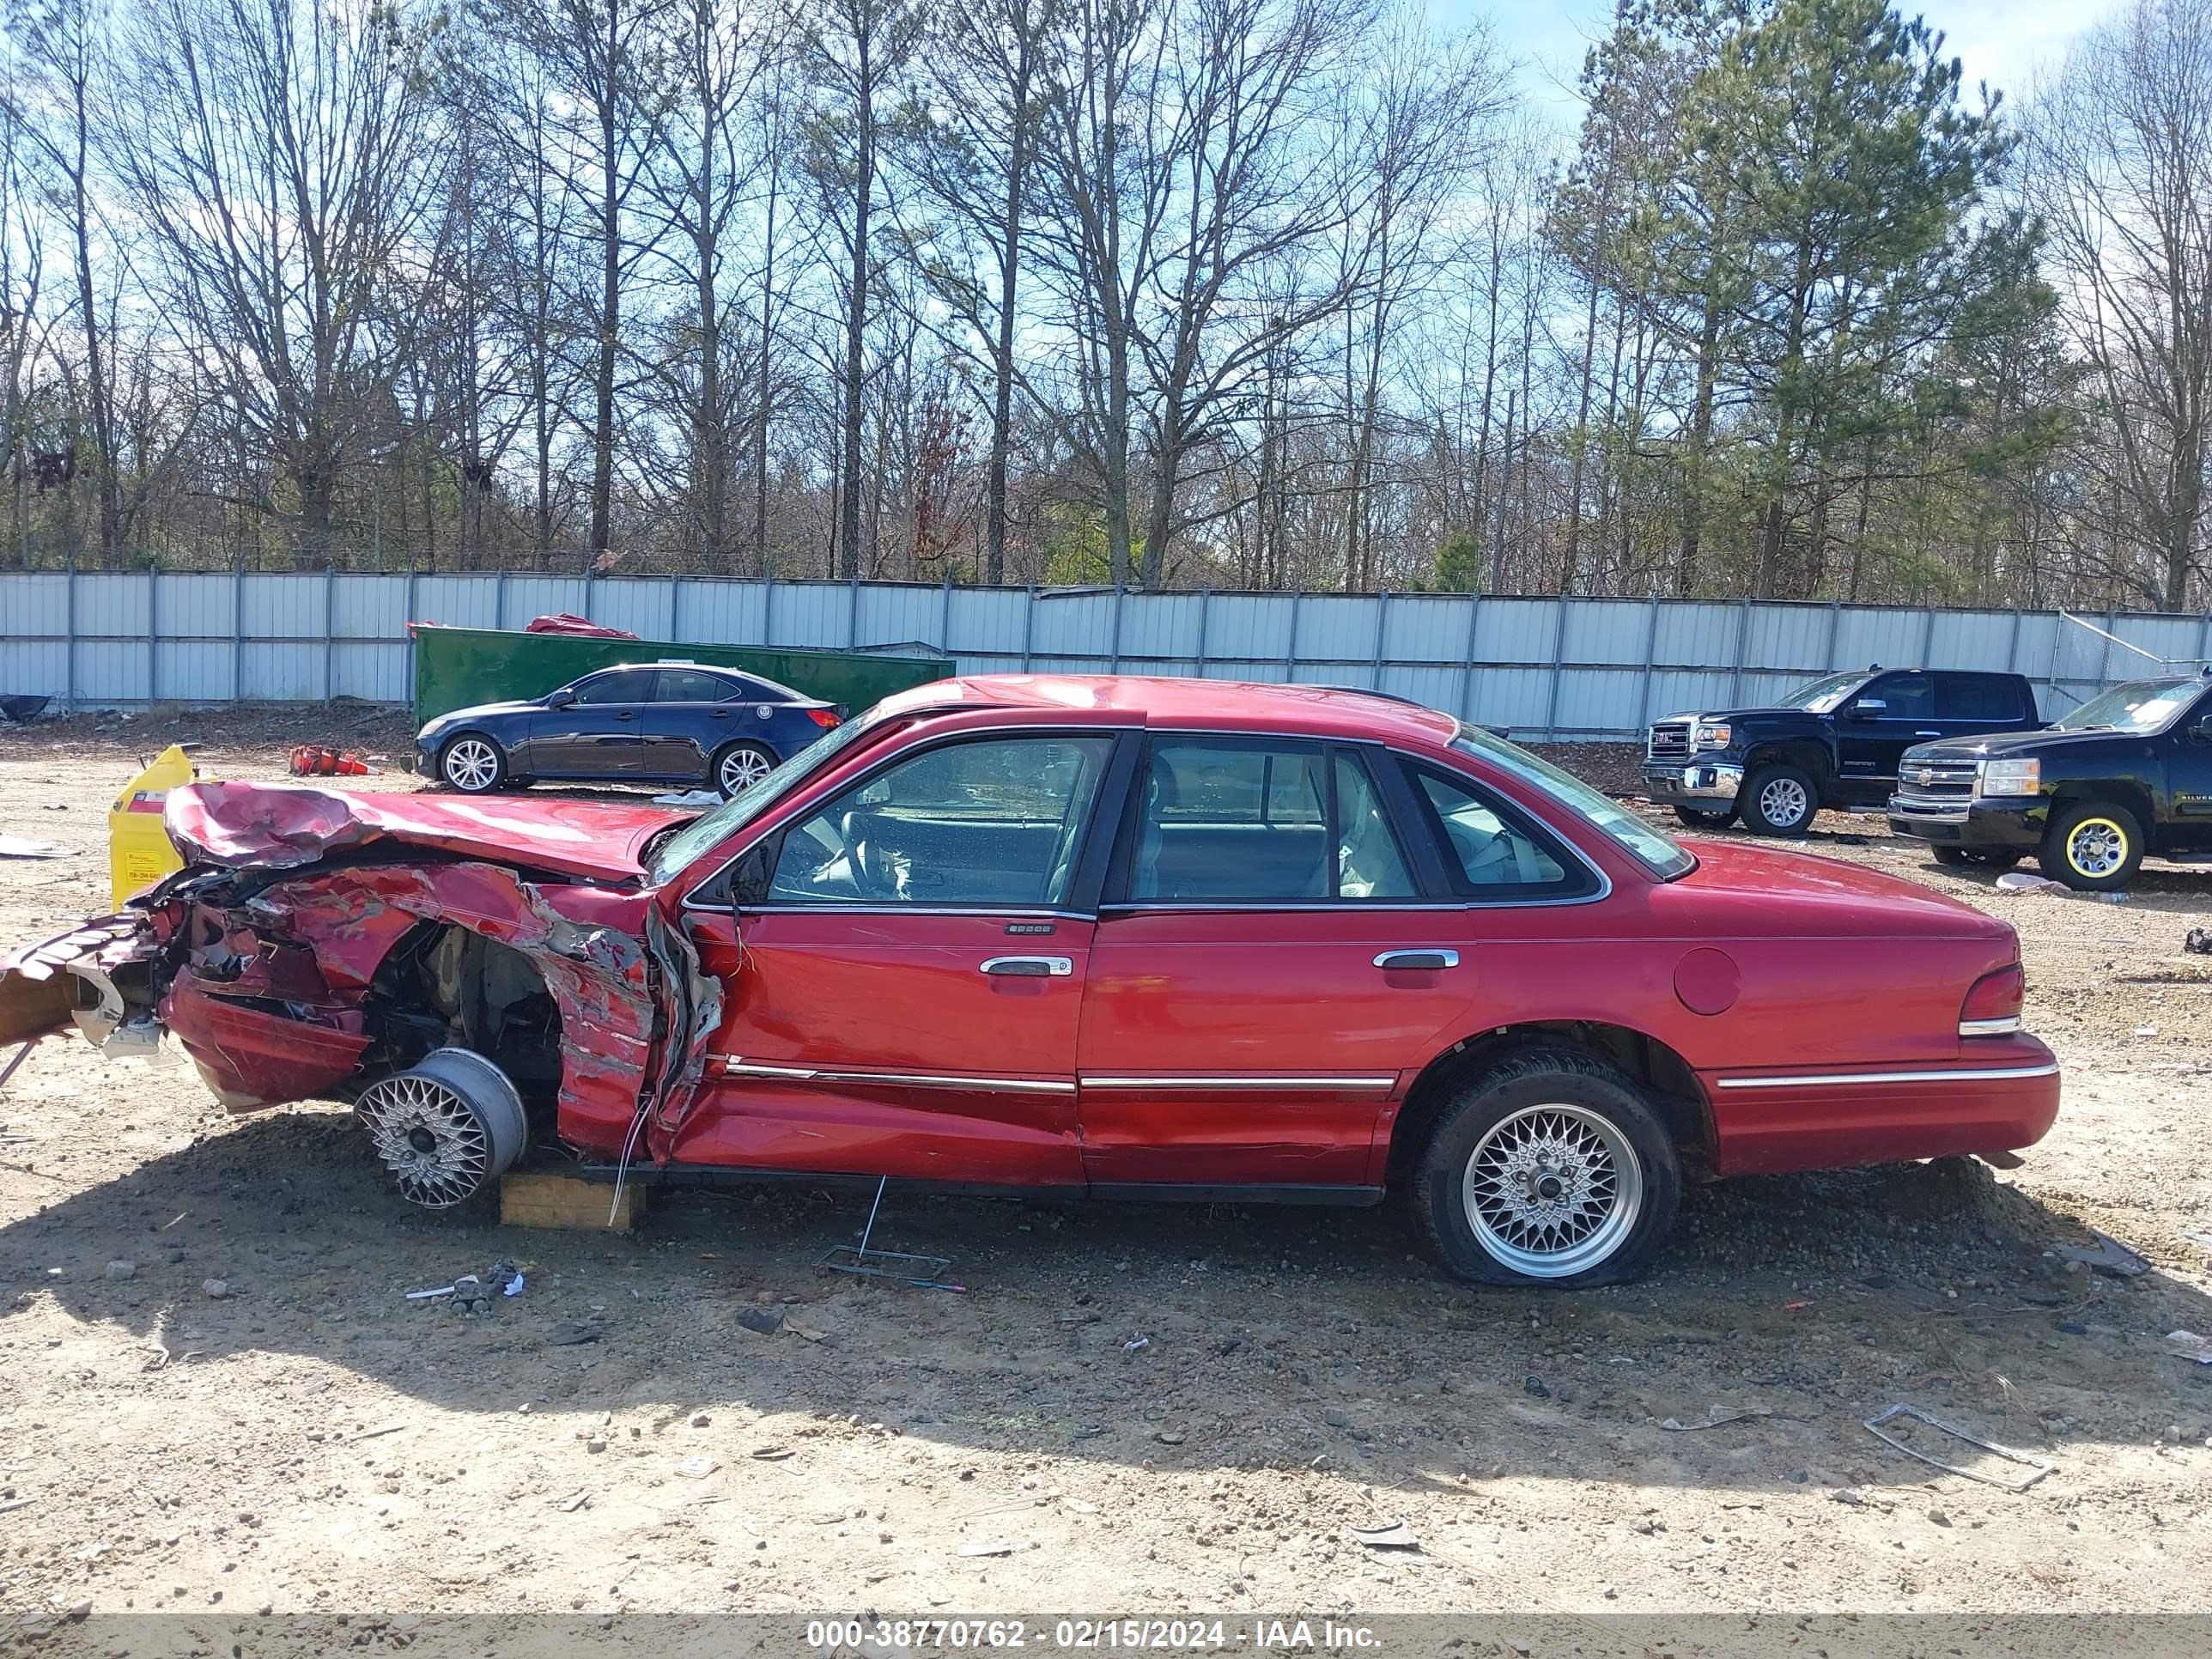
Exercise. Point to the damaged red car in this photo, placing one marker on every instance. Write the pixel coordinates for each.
(1145, 938)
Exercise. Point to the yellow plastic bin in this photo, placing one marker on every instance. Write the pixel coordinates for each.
(139, 850)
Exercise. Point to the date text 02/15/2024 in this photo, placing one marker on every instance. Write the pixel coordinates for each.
(1079, 1635)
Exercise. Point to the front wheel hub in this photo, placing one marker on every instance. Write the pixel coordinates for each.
(444, 1126)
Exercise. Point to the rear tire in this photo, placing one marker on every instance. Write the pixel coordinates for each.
(1976, 858)
(738, 765)
(1550, 1169)
(2092, 846)
(1780, 800)
(1705, 818)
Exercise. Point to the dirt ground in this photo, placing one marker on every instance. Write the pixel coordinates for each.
(1128, 1409)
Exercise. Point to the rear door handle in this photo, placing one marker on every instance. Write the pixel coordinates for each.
(1030, 967)
(1417, 959)
(1927, 734)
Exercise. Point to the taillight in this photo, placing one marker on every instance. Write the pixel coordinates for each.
(1992, 1006)
(825, 718)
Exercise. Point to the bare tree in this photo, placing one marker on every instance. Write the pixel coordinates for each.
(856, 51)
(2122, 174)
(280, 163)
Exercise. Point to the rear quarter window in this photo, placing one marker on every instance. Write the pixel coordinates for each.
(1977, 697)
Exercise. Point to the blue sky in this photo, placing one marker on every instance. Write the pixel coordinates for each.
(2000, 41)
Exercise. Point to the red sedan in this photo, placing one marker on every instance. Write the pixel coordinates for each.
(1141, 938)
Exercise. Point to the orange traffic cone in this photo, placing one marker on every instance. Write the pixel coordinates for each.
(309, 760)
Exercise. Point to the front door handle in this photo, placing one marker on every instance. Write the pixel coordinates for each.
(1927, 734)
(1417, 959)
(1030, 967)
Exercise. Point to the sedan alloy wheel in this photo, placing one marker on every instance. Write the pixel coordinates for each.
(742, 765)
(472, 765)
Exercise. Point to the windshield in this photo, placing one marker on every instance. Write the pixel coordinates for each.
(1822, 695)
(1653, 849)
(755, 798)
(2140, 706)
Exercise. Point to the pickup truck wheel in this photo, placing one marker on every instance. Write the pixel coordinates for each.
(2093, 847)
(1705, 818)
(1550, 1169)
(1977, 858)
(1780, 800)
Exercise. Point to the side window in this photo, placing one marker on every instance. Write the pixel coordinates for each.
(989, 823)
(625, 685)
(690, 685)
(1229, 821)
(1492, 851)
(1904, 697)
(1369, 863)
(1976, 697)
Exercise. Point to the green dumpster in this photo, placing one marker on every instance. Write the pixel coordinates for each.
(459, 667)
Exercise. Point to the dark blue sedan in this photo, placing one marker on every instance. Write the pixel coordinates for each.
(666, 722)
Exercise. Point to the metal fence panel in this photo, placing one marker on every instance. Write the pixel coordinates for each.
(1568, 668)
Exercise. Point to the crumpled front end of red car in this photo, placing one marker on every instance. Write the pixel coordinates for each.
(350, 954)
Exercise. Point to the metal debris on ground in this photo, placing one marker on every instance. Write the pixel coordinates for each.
(925, 1272)
(2019, 881)
(1713, 1422)
(2198, 942)
(1136, 1342)
(2107, 1256)
(987, 1547)
(18, 846)
(766, 1320)
(1874, 1426)
(1396, 1536)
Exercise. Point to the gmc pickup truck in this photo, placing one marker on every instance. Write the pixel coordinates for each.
(1834, 742)
(2129, 772)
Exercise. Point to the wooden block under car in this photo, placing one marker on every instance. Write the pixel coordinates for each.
(532, 1198)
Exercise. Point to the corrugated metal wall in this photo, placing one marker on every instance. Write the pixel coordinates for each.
(1562, 669)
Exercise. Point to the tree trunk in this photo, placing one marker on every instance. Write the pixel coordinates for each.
(603, 387)
(856, 316)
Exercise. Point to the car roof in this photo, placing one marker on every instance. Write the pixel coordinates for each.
(1236, 705)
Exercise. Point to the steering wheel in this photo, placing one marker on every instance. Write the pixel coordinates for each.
(868, 879)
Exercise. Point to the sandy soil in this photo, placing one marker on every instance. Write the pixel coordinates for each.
(306, 1440)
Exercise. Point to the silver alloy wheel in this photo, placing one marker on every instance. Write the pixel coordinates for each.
(1784, 802)
(1552, 1191)
(2096, 849)
(471, 764)
(445, 1128)
(742, 767)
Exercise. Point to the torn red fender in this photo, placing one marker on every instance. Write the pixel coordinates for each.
(235, 824)
(586, 942)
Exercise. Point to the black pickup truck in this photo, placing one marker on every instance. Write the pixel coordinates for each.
(1834, 742)
(2129, 772)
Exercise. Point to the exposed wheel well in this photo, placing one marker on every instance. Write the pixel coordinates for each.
(2116, 792)
(445, 986)
(1664, 1076)
(1797, 752)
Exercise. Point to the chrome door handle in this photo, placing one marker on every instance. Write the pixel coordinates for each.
(1030, 967)
(1417, 959)
(1927, 734)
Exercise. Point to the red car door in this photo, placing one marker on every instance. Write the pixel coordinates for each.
(901, 997)
(1268, 971)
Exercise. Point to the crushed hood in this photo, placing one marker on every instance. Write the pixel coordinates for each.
(282, 826)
